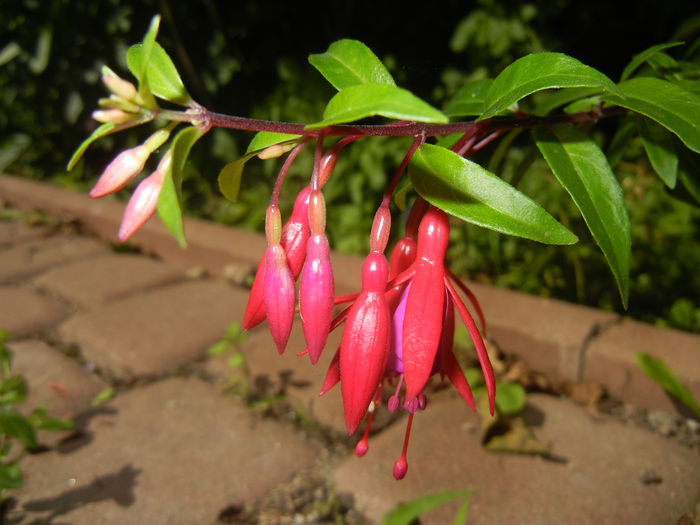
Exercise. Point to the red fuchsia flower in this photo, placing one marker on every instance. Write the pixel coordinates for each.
(294, 239)
(421, 332)
(144, 200)
(279, 293)
(316, 290)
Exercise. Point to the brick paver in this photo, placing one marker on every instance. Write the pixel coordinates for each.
(156, 331)
(610, 359)
(91, 282)
(176, 451)
(24, 312)
(596, 480)
(26, 259)
(13, 232)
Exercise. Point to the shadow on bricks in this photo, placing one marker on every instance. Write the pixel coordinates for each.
(118, 487)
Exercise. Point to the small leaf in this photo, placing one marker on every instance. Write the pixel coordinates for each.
(510, 398)
(230, 176)
(137, 60)
(41, 420)
(265, 139)
(15, 425)
(349, 63)
(163, 79)
(642, 57)
(689, 175)
(11, 476)
(406, 513)
(582, 168)
(469, 100)
(659, 146)
(657, 370)
(13, 390)
(367, 100)
(218, 348)
(101, 131)
(102, 397)
(670, 105)
(466, 190)
(170, 201)
(540, 71)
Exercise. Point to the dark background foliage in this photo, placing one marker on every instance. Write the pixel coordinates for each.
(249, 58)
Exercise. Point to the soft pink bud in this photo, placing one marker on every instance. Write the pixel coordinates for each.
(295, 234)
(114, 115)
(144, 200)
(117, 85)
(279, 296)
(316, 295)
(125, 166)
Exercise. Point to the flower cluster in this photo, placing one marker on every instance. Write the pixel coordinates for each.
(398, 330)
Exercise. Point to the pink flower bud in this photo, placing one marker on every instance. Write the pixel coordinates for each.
(278, 296)
(295, 234)
(365, 343)
(115, 116)
(117, 85)
(144, 200)
(316, 295)
(125, 166)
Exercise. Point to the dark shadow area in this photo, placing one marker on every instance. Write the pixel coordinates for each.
(533, 416)
(118, 487)
(82, 435)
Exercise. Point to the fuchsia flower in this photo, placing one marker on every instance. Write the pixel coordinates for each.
(407, 336)
(118, 173)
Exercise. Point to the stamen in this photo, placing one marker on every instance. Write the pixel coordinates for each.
(393, 402)
(401, 465)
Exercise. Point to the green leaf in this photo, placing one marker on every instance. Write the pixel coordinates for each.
(540, 71)
(670, 105)
(660, 149)
(461, 514)
(349, 63)
(469, 100)
(642, 57)
(510, 398)
(15, 425)
(582, 168)
(563, 97)
(218, 348)
(466, 190)
(163, 79)
(170, 200)
(230, 176)
(101, 131)
(406, 513)
(11, 476)
(367, 100)
(13, 390)
(139, 55)
(689, 175)
(42, 420)
(102, 397)
(265, 139)
(657, 370)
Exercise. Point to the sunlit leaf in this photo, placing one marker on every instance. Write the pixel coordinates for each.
(657, 370)
(265, 139)
(11, 476)
(367, 100)
(469, 100)
(563, 97)
(137, 61)
(464, 189)
(163, 79)
(670, 105)
(510, 398)
(101, 131)
(15, 425)
(349, 63)
(660, 149)
(406, 513)
(540, 71)
(170, 200)
(642, 57)
(229, 179)
(582, 168)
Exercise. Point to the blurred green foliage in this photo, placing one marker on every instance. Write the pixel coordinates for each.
(249, 58)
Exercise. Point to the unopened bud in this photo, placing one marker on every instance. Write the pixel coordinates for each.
(276, 150)
(380, 230)
(125, 166)
(114, 116)
(117, 85)
(328, 162)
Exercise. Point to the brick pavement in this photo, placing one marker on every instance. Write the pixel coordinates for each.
(170, 448)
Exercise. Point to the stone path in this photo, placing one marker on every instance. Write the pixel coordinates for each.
(173, 447)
